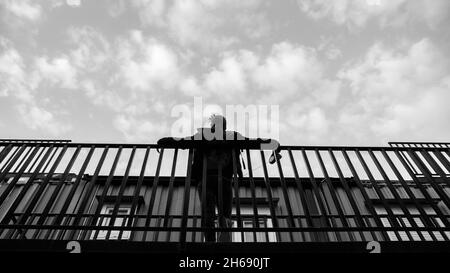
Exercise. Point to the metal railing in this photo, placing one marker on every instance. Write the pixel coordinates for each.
(18, 140)
(420, 144)
(140, 192)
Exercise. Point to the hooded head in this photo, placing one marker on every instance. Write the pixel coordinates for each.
(218, 123)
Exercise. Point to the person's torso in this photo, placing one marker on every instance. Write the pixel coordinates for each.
(217, 158)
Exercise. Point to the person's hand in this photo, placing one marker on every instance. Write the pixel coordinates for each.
(274, 157)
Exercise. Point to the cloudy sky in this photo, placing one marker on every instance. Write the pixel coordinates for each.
(343, 72)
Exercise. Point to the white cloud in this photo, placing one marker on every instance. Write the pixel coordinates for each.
(151, 12)
(38, 118)
(357, 13)
(139, 129)
(288, 69)
(102, 96)
(58, 71)
(205, 24)
(14, 79)
(399, 92)
(194, 22)
(327, 92)
(314, 121)
(25, 9)
(288, 72)
(147, 64)
(228, 80)
(190, 86)
(404, 69)
(73, 3)
(290, 75)
(305, 123)
(116, 8)
(20, 82)
(333, 53)
(133, 76)
(98, 69)
(11, 71)
(329, 49)
(92, 49)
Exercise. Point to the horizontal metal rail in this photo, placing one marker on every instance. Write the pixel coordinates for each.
(421, 144)
(238, 144)
(18, 140)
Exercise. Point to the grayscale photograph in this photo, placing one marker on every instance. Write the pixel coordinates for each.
(224, 135)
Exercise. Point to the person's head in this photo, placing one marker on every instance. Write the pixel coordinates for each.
(218, 122)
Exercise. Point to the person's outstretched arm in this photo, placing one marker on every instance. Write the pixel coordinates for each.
(174, 141)
(264, 143)
(169, 140)
(203, 138)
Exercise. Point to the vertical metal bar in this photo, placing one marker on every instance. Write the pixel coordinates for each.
(153, 196)
(408, 163)
(348, 191)
(12, 158)
(17, 176)
(324, 215)
(423, 214)
(266, 233)
(392, 218)
(133, 221)
(58, 220)
(367, 200)
(35, 161)
(442, 159)
(236, 180)
(101, 200)
(203, 197)
(22, 160)
(192, 208)
(432, 163)
(25, 189)
(447, 152)
(4, 153)
(9, 165)
(301, 192)
(430, 178)
(220, 198)
(253, 193)
(436, 166)
(422, 189)
(8, 159)
(170, 193)
(269, 191)
(290, 222)
(332, 191)
(50, 159)
(395, 193)
(56, 191)
(120, 195)
(187, 188)
(91, 184)
(40, 190)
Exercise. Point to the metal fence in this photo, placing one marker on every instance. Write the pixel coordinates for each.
(420, 144)
(140, 192)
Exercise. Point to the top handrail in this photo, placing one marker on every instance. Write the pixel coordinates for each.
(195, 144)
(11, 140)
(417, 143)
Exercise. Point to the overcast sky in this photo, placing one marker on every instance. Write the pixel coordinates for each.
(342, 72)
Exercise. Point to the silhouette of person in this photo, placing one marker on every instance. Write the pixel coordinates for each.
(219, 167)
